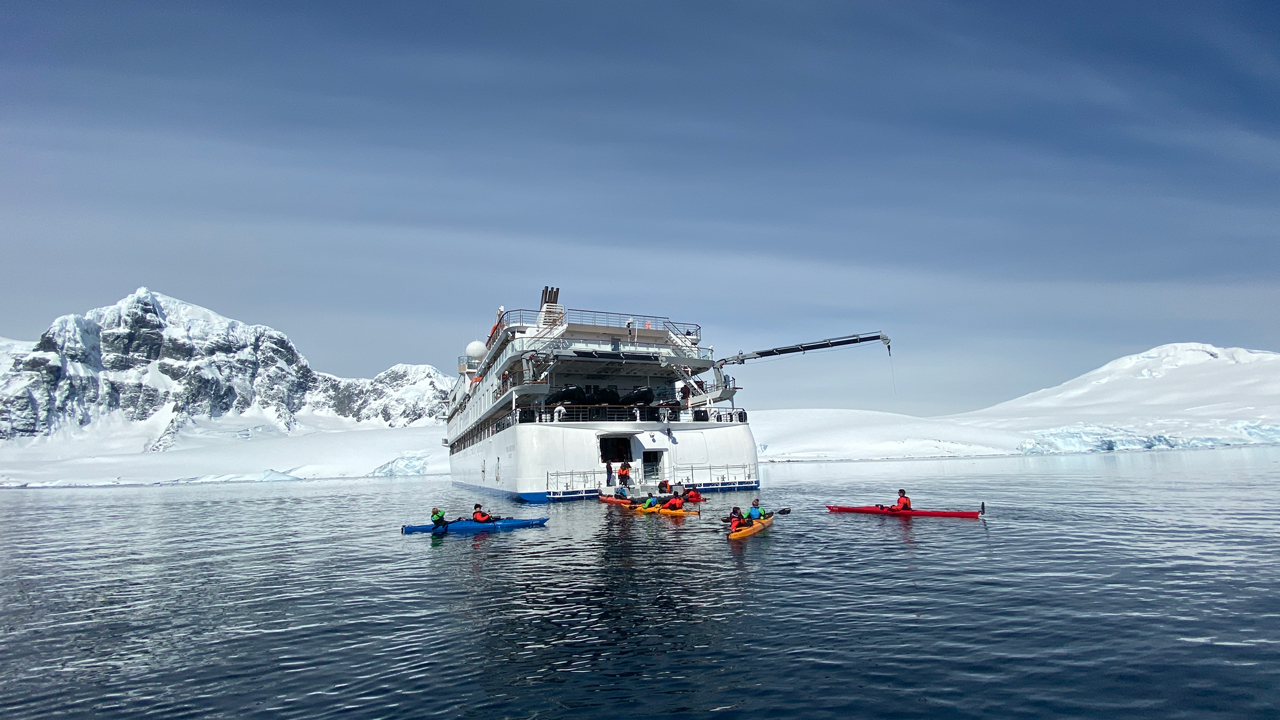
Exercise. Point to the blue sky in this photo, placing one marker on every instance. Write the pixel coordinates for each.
(1015, 193)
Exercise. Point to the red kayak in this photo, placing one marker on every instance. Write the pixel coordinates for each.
(874, 510)
(614, 500)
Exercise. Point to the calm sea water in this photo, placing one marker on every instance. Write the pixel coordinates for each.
(1143, 585)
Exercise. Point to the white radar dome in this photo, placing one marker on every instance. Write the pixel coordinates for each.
(476, 349)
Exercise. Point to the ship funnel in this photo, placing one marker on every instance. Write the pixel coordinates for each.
(550, 296)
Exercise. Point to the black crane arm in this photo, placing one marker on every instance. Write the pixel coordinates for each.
(741, 358)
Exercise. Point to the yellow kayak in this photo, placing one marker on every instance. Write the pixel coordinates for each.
(756, 527)
(657, 509)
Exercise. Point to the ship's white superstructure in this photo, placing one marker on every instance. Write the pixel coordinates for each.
(554, 398)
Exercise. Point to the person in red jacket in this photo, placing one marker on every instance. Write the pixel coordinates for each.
(481, 516)
(675, 503)
(904, 502)
(736, 520)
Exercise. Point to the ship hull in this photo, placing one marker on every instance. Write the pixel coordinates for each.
(551, 462)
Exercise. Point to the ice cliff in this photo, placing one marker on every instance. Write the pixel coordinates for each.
(152, 357)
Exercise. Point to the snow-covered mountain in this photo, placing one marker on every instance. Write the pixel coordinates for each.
(1177, 395)
(1182, 395)
(156, 360)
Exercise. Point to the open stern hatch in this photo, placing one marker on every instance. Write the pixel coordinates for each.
(554, 398)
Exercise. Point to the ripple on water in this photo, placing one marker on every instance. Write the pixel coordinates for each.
(1092, 587)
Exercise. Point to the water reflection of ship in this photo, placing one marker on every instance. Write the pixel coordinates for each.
(636, 597)
(554, 394)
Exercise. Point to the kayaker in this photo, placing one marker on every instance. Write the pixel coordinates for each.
(481, 516)
(692, 495)
(904, 502)
(437, 518)
(675, 503)
(664, 486)
(649, 502)
(736, 520)
(621, 493)
(755, 512)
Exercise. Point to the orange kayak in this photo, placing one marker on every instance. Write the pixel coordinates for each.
(614, 500)
(756, 527)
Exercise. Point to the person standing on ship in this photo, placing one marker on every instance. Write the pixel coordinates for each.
(624, 474)
(608, 474)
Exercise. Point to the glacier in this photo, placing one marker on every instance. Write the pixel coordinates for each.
(1175, 396)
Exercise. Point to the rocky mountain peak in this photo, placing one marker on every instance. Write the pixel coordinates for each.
(152, 355)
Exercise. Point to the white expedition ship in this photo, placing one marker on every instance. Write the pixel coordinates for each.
(554, 394)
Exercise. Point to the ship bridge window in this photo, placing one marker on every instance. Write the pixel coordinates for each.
(615, 449)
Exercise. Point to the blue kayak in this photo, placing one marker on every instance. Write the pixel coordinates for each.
(471, 526)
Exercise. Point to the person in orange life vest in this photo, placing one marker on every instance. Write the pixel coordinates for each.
(736, 520)
(624, 473)
(482, 516)
(664, 486)
(692, 495)
(904, 502)
(675, 503)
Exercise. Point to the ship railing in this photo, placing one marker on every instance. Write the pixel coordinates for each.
(543, 344)
(622, 346)
(574, 484)
(623, 413)
(524, 317)
(578, 484)
(717, 478)
(684, 338)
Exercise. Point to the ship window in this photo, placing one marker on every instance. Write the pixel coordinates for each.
(615, 449)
